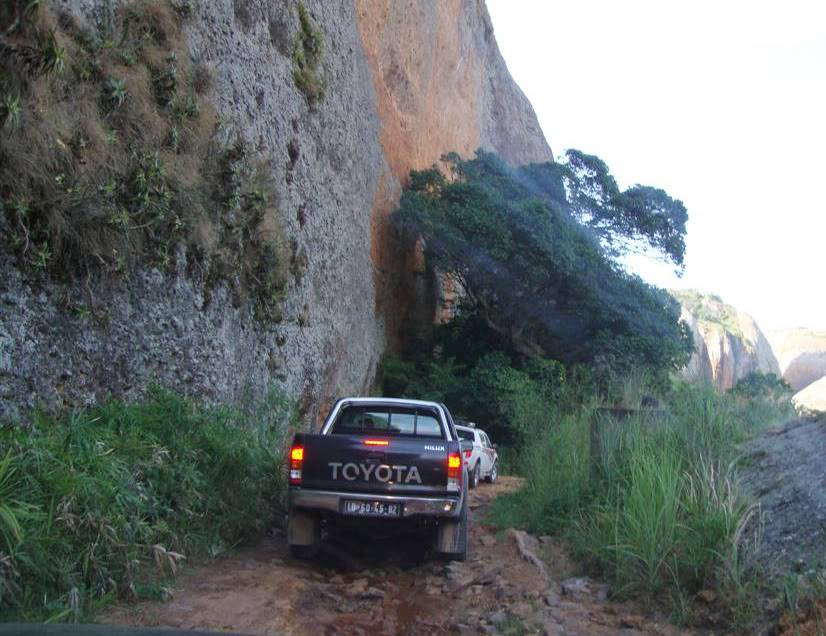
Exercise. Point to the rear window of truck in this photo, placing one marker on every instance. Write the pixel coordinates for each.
(381, 420)
(466, 435)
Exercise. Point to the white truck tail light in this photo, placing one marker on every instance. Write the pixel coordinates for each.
(454, 472)
(296, 463)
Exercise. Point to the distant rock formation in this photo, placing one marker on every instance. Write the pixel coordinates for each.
(728, 343)
(813, 397)
(801, 354)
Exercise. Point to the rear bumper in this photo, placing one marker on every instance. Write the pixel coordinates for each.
(330, 501)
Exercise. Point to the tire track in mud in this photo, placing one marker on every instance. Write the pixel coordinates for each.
(511, 583)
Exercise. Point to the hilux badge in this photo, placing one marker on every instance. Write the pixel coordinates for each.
(434, 448)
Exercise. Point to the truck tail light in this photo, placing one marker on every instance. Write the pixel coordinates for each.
(296, 463)
(376, 442)
(454, 472)
(468, 453)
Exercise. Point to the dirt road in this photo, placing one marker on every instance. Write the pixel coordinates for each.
(512, 583)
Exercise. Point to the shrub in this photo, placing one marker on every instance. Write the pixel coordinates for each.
(104, 502)
(308, 51)
(757, 385)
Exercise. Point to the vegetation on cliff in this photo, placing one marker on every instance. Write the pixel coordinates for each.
(534, 245)
(107, 502)
(112, 154)
(308, 52)
(709, 308)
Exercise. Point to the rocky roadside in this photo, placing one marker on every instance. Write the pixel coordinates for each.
(785, 471)
(512, 583)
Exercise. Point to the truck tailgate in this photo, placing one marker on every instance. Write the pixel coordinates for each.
(392, 465)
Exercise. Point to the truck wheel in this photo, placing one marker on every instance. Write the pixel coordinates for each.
(474, 477)
(303, 534)
(494, 473)
(452, 536)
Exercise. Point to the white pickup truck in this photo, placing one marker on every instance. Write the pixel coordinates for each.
(482, 460)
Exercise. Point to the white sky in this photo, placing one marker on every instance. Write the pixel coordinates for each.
(721, 103)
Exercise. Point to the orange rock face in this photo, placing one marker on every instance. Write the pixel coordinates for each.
(426, 82)
(441, 86)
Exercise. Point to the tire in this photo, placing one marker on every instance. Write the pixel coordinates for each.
(305, 552)
(452, 537)
(494, 473)
(474, 476)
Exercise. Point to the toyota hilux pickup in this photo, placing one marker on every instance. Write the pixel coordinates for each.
(379, 461)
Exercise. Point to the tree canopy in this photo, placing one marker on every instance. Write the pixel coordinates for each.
(536, 247)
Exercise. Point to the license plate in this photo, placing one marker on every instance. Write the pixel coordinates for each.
(372, 509)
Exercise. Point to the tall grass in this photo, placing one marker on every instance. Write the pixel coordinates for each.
(655, 506)
(107, 502)
(555, 469)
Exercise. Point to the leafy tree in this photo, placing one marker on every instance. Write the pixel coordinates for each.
(762, 385)
(532, 255)
(640, 216)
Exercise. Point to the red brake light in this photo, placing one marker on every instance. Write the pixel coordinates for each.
(454, 472)
(296, 462)
(468, 453)
(376, 442)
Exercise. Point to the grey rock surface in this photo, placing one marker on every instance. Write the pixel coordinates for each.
(786, 473)
(70, 344)
(157, 326)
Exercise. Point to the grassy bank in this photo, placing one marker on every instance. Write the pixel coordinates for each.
(108, 502)
(658, 511)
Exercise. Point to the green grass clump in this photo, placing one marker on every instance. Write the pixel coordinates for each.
(307, 54)
(108, 502)
(657, 509)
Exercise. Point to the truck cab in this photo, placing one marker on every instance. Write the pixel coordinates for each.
(479, 452)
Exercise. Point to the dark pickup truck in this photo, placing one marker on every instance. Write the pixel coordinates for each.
(379, 461)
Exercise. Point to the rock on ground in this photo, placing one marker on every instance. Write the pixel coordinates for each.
(785, 470)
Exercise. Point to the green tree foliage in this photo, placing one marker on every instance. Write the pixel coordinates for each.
(531, 252)
(482, 378)
(640, 215)
(762, 385)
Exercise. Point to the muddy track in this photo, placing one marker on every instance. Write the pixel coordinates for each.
(511, 583)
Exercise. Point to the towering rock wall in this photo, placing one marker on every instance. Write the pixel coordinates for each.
(728, 343)
(405, 82)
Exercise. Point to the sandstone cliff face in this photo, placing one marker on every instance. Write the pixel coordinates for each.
(728, 343)
(801, 354)
(406, 82)
(441, 85)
